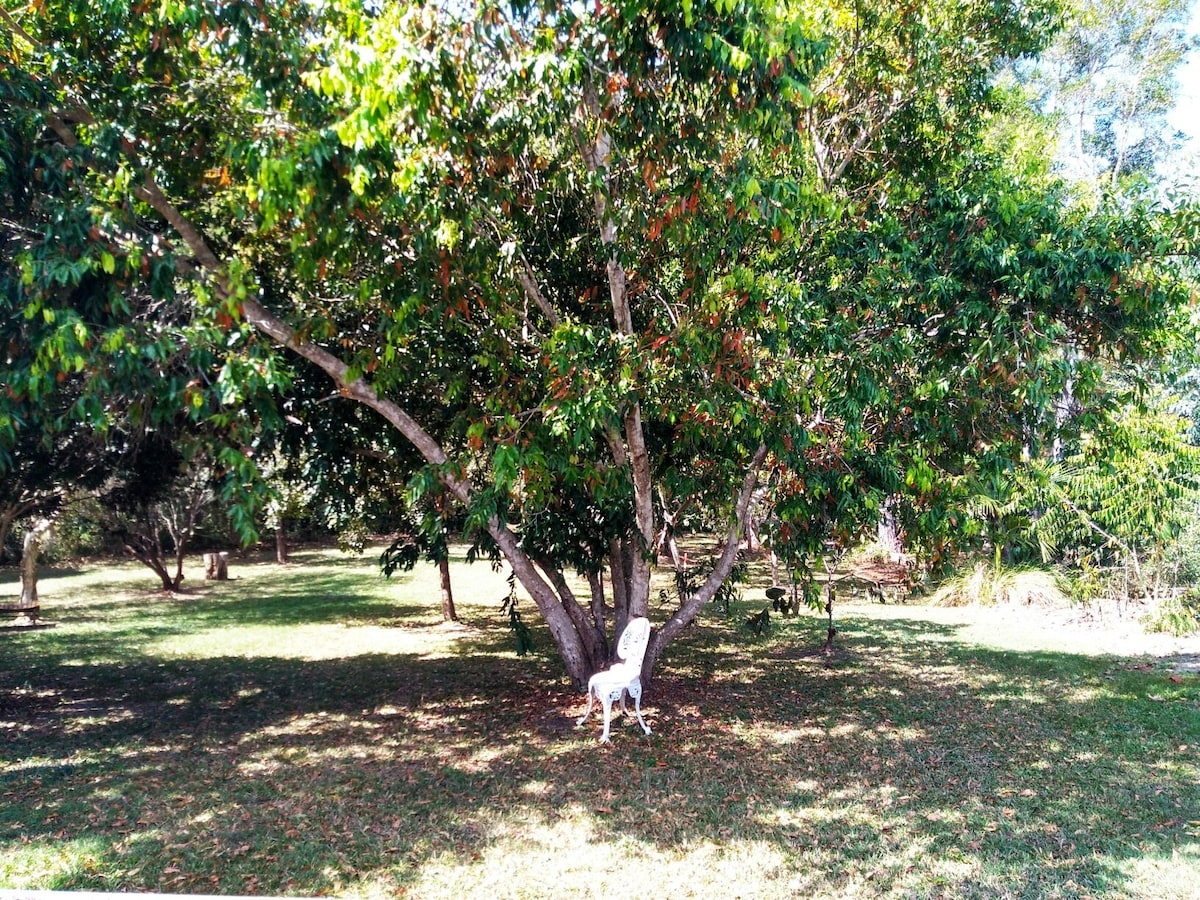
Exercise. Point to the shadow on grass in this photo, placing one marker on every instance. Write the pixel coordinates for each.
(895, 765)
(10, 576)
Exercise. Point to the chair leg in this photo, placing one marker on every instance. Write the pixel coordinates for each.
(637, 708)
(607, 701)
(587, 712)
(606, 696)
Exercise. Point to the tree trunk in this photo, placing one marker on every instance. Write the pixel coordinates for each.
(1066, 406)
(888, 530)
(830, 631)
(619, 576)
(147, 549)
(572, 646)
(448, 612)
(570, 643)
(9, 515)
(594, 640)
(753, 543)
(31, 548)
(596, 585)
(177, 579)
(281, 544)
(666, 544)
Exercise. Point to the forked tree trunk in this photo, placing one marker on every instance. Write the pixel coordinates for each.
(147, 549)
(581, 653)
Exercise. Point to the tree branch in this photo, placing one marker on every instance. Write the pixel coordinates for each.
(15, 28)
(528, 282)
(568, 640)
(526, 276)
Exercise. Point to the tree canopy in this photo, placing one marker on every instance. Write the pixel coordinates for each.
(586, 260)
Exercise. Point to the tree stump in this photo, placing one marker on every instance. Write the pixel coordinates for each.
(216, 566)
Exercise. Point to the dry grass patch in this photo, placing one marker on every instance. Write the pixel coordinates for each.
(984, 585)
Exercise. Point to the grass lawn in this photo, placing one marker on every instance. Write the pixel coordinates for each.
(314, 729)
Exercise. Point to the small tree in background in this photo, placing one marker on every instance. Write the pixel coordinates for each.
(156, 500)
(1121, 500)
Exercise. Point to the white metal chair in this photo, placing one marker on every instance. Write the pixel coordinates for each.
(623, 678)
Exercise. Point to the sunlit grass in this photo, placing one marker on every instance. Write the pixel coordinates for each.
(315, 729)
(28, 864)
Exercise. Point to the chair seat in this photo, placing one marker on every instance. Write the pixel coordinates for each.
(617, 673)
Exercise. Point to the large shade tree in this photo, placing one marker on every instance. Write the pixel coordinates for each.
(580, 256)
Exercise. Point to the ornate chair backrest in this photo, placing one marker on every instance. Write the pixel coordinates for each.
(631, 648)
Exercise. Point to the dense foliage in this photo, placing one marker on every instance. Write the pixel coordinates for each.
(591, 263)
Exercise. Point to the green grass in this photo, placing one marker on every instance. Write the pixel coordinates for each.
(315, 729)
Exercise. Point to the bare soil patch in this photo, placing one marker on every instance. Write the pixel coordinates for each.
(879, 571)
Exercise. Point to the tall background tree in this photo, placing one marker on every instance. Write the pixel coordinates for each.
(1110, 81)
(103, 357)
